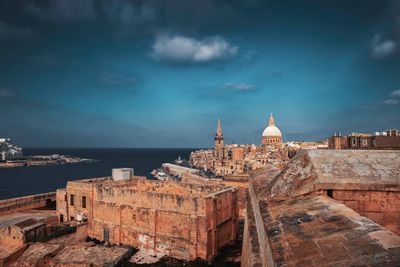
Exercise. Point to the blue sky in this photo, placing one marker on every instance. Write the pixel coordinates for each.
(159, 73)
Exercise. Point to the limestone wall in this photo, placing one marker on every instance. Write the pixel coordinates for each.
(26, 202)
(180, 220)
(157, 228)
(255, 240)
(251, 247)
(382, 207)
(241, 183)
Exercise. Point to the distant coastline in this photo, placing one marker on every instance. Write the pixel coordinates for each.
(44, 160)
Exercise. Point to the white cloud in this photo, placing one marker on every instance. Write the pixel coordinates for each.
(112, 78)
(5, 93)
(381, 48)
(391, 101)
(395, 93)
(239, 86)
(181, 49)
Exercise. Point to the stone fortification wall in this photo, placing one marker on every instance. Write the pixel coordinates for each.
(185, 221)
(251, 255)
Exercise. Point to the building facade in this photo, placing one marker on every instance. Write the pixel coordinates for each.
(9, 151)
(184, 221)
(235, 159)
(389, 140)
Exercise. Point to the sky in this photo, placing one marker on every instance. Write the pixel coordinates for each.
(160, 73)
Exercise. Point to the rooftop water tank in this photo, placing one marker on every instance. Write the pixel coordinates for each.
(120, 174)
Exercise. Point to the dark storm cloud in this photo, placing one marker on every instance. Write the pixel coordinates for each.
(386, 43)
(143, 16)
(62, 10)
(9, 31)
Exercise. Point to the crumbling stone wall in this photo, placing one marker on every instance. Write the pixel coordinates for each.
(185, 221)
(11, 236)
(382, 207)
(242, 186)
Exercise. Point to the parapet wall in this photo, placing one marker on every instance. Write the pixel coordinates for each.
(383, 207)
(26, 202)
(251, 255)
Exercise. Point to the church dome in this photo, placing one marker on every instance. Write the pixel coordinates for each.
(271, 130)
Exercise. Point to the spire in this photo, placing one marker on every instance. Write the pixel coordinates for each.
(219, 131)
(271, 121)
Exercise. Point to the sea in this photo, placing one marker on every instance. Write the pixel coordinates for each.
(22, 181)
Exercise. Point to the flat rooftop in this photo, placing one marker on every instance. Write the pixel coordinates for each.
(89, 255)
(162, 187)
(37, 252)
(24, 217)
(7, 249)
(318, 231)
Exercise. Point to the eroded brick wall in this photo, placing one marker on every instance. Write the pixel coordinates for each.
(382, 207)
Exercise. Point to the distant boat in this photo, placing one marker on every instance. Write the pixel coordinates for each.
(179, 160)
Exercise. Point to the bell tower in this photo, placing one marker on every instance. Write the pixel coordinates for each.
(219, 142)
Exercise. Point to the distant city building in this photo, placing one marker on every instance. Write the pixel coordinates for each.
(389, 139)
(219, 142)
(9, 151)
(234, 159)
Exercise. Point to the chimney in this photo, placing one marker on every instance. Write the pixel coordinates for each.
(119, 174)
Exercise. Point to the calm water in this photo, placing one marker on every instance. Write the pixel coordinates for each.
(33, 180)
